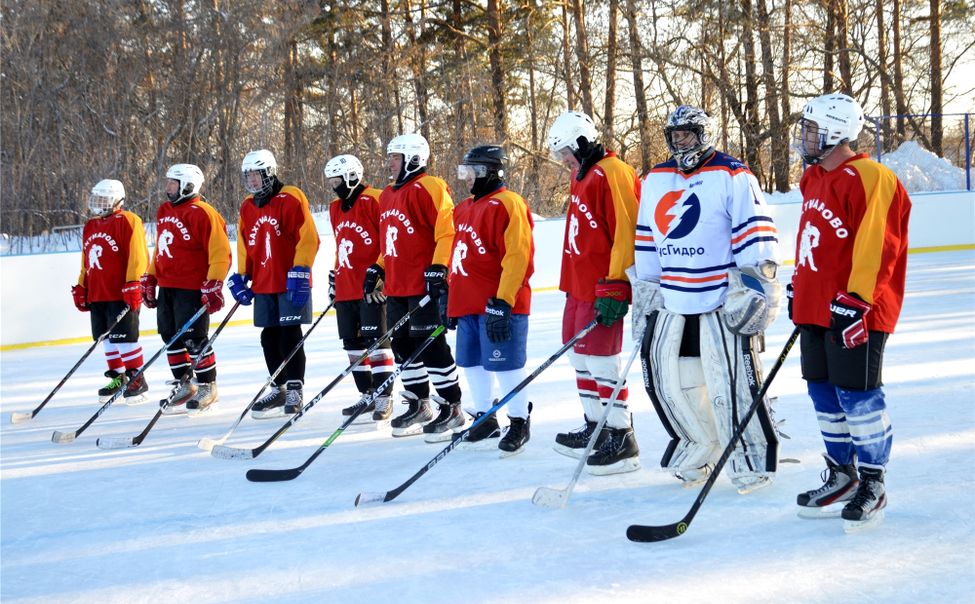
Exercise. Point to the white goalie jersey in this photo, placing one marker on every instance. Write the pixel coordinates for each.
(692, 228)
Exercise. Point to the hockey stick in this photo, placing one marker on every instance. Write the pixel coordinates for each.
(134, 441)
(370, 498)
(258, 475)
(225, 452)
(207, 444)
(66, 437)
(558, 498)
(18, 417)
(645, 533)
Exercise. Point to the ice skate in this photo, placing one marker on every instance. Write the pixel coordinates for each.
(183, 391)
(485, 434)
(449, 419)
(839, 486)
(516, 437)
(618, 453)
(573, 444)
(411, 422)
(206, 395)
(361, 408)
(135, 389)
(271, 404)
(866, 509)
(116, 381)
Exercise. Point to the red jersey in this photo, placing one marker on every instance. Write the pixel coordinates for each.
(852, 238)
(600, 227)
(274, 238)
(356, 242)
(416, 229)
(191, 245)
(492, 255)
(113, 252)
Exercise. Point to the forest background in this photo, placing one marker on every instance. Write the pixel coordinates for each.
(123, 89)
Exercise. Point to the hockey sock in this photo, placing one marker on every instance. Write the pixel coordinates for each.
(362, 374)
(179, 361)
(131, 354)
(517, 406)
(480, 383)
(381, 364)
(113, 357)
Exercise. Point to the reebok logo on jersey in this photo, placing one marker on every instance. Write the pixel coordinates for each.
(675, 218)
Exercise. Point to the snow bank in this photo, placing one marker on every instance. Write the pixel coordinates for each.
(921, 170)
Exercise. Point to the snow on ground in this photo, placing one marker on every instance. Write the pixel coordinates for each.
(168, 523)
(921, 170)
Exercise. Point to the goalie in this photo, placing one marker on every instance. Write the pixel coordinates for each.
(704, 292)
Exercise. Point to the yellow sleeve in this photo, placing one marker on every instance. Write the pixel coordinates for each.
(218, 248)
(879, 187)
(443, 230)
(83, 277)
(241, 249)
(138, 253)
(517, 246)
(623, 184)
(308, 242)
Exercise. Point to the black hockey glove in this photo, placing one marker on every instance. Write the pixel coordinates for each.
(436, 280)
(498, 320)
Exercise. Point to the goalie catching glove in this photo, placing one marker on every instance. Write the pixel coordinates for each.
(753, 299)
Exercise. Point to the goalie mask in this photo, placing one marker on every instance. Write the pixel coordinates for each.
(258, 171)
(189, 179)
(827, 121)
(690, 136)
(106, 197)
(483, 169)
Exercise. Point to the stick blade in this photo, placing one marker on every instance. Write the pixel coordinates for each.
(207, 444)
(366, 499)
(258, 475)
(554, 499)
(19, 417)
(225, 452)
(63, 437)
(647, 534)
(116, 442)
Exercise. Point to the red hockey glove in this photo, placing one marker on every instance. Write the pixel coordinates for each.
(849, 319)
(80, 295)
(211, 295)
(132, 295)
(149, 284)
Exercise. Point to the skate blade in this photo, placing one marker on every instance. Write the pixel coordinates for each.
(269, 414)
(755, 486)
(485, 444)
(502, 454)
(855, 526)
(554, 499)
(568, 451)
(408, 430)
(821, 513)
(440, 437)
(621, 467)
(181, 410)
(200, 410)
(135, 401)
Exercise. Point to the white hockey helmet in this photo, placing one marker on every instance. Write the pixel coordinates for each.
(414, 149)
(566, 131)
(687, 118)
(827, 121)
(190, 179)
(346, 167)
(260, 161)
(106, 197)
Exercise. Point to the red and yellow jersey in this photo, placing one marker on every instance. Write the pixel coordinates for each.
(191, 245)
(274, 238)
(599, 227)
(416, 229)
(852, 238)
(493, 254)
(356, 242)
(113, 252)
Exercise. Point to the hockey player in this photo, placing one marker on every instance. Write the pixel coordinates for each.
(490, 297)
(848, 287)
(189, 265)
(354, 214)
(276, 246)
(706, 258)
(416, 231)
(598, 246)
(113, 258)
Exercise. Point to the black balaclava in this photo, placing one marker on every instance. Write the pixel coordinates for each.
(588, 155)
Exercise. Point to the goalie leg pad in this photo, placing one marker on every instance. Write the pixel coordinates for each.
(677, 388)
(732, 371)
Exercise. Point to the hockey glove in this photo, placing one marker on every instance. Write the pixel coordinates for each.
(331, 286)
(849, 320)
(646, 299)
(372, 285)
(239, 289)
(789, 294)
(612, 300)
(497, 321)
(80, 295)
(299, 285)
(436, 280)
(132, 295)
(149, 284)
(752, 302)
(211, 295)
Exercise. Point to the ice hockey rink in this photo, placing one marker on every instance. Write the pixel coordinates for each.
(166, 522)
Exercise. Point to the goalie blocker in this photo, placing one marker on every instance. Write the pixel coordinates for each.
(701, 378)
